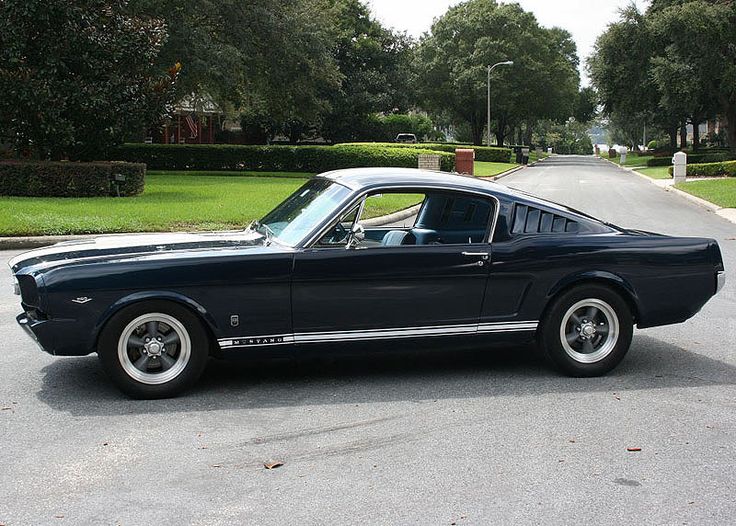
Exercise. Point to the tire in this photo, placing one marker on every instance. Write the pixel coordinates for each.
(586, 331)
(154, 349)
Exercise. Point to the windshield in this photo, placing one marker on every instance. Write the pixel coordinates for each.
(303, 210)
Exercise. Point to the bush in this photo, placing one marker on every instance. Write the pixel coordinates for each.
(273, 158)
(710, 169)
(67, 179)
(612, 153)
(693, 158)
(482, 153)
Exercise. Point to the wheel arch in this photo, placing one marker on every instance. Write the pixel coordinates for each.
(208, 322)
(609, 279)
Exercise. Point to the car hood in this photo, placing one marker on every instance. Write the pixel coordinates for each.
(119, 245)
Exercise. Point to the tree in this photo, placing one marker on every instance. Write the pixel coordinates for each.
(620, 70)
(272, 55)
(700, 45)
(76, 76)
(453, 58)
(586, 105)
(375, 69)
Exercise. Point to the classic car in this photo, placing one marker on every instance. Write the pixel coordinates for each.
(364, 255)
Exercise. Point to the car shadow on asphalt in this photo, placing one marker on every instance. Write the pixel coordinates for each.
(324, 377)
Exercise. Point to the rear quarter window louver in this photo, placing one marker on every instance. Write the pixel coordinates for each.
(530, 220)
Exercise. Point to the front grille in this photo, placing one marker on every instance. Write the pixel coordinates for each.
(28, 290)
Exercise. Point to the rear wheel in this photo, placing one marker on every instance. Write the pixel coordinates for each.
(154, 349)
(587, 331)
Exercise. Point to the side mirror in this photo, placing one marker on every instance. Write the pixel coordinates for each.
(357, 234)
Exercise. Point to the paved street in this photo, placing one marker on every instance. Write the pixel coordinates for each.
(466, 438)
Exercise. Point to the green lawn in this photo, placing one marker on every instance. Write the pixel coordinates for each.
(174, 201)
(719, 191)
(656, 172)
(633, 160)
(484, 169)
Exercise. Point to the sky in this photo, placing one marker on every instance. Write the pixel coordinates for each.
(584, 19)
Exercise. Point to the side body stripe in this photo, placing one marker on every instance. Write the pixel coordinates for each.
(376, 334)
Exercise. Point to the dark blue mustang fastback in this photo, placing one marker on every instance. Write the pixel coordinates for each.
(469, 259)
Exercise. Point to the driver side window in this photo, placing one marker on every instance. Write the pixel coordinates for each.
(338, 235)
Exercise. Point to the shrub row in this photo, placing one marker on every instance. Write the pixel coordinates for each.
(693, 158)
(67, 179)
(272, 158)
(482, 153)
(710, 170)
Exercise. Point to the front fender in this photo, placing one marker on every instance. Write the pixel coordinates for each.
(137, 297)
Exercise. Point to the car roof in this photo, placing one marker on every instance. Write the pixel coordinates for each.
(360, 179)
(364, 178)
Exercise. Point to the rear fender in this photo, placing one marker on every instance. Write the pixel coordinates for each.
(598, 276)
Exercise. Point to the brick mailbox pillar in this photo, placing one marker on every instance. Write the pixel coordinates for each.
(464, 159)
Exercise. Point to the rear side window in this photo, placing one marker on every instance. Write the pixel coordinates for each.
(450, 212)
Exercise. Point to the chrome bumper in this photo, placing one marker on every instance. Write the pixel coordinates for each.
(720, 280)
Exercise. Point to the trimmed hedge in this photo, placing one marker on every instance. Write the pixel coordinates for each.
(273, 158)
(693, 158)
(482, 153)
(727, 169)
(68, 179)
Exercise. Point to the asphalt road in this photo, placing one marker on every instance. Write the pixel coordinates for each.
(466, 438)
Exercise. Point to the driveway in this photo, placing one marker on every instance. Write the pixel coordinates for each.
(452, 437)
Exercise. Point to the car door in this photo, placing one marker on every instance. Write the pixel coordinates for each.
(390, 291)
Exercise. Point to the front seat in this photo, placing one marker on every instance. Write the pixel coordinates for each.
(395, 238)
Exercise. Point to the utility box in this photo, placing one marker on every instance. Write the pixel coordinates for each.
(679, 172)
(623, 150)
(464, 161)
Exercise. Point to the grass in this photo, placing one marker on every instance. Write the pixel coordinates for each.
(656, 172)
(633, 160)
(484, 169)
(178, 201)
(172, 201)
(719, 191)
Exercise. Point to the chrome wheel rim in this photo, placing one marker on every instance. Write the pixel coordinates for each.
(589, 330)
(154, 348)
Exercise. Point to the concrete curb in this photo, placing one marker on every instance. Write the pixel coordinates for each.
(729, 214)
(392, 218)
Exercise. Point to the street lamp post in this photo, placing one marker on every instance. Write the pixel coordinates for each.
(490, 68)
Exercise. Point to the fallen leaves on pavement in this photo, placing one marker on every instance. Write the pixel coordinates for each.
(633, 449)
(273, 464)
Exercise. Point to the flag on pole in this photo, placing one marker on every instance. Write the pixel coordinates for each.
(192, 126)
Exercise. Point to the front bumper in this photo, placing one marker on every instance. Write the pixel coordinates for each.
(27, 324)
(57, 337)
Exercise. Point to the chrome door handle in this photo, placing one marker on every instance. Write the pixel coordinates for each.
(483, 255)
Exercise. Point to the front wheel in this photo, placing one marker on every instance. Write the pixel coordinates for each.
(154, 349)
(587, 331)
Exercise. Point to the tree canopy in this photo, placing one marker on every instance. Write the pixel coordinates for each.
(453, 60)
(673, 64)
(75, 77)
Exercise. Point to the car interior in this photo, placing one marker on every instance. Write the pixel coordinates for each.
(442, 218)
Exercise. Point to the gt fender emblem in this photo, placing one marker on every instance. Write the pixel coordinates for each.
(82, 300)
